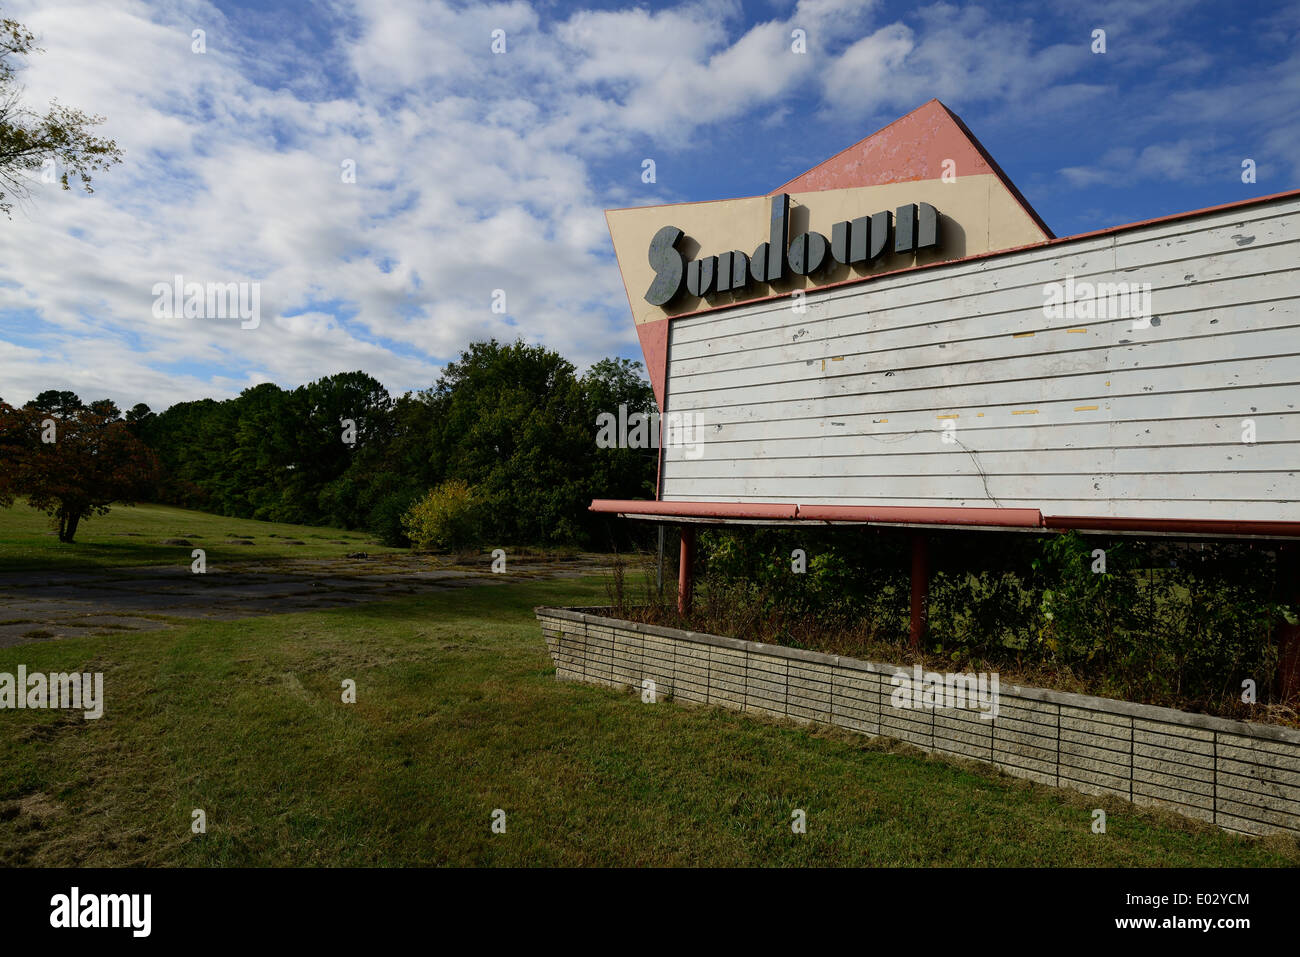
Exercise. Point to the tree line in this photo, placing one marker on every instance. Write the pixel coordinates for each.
(512, 422)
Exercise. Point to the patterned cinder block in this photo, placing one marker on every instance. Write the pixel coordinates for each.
(1213, 769)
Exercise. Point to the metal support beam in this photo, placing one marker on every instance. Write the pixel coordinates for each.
(920, 589)
(686, 570)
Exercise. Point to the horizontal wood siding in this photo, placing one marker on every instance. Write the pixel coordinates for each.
(847, 402)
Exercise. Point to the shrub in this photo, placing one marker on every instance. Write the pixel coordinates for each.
(448, 517)
(1157, 620)
(387, 517)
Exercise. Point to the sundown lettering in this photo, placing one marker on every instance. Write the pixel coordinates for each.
(858, 242)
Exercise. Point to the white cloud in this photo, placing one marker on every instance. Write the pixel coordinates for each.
(861, 79)
(962, 54)
(471, 176)
(474, 171)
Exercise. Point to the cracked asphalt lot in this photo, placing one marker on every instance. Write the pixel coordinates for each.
(44, 606)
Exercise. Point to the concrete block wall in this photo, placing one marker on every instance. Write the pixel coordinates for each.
(1239, 775)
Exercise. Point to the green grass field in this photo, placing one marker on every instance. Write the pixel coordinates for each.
(458, 714)
(134, 535)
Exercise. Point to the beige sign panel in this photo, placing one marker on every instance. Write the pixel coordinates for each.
(977, 214)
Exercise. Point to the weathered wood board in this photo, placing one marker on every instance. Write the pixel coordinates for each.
(954, 386)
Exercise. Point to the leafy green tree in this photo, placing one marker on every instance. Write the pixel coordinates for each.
(12, 444)
(386, 474)
(193, 442)
(511, 421)
(138, 418)
(73, 466)
(344, 416)
(263, 454)
(620, 472)
(61, 138)
(284, 455)
(62, 404)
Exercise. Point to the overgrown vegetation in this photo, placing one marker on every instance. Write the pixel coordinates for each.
(1167, 622)
(449, 517)
(513, 421)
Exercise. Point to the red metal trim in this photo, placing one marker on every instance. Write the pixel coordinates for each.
(1172, 217)
(696, 509)
(1009, 517)
(659, 466)
(653, 337)
(922, 515)
(662, 395)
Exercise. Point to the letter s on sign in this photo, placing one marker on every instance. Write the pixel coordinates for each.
(666, 261)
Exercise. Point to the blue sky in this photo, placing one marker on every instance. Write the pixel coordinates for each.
(477, 171)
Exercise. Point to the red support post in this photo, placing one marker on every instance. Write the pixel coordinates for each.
(920, 588)
(686, 571)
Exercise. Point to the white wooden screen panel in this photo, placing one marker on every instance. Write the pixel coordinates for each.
(846, 403)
